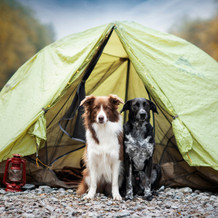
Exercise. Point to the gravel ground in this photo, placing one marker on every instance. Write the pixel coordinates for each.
(52, 202)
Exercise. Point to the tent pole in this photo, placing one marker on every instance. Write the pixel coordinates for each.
(149, 96)
(46, 153)
(127, 86)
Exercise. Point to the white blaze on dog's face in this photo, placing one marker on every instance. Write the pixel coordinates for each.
(105, 109)
(101, 116)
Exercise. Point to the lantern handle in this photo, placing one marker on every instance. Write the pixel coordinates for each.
(6, 170)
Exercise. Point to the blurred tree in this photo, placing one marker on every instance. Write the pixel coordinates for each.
(202, 33)
(21, 36)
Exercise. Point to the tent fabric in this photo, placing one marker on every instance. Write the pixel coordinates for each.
(38, 84)
(184, 81)
(137, 61)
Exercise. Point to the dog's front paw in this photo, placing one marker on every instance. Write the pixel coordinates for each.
(129, 196)
(154, 192)
(148, 198)
(88, 197)
(117, 197)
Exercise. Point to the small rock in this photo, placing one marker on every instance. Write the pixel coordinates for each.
(209, 207)
(197, 191)
(213, 198)
(71, 191)
(58, 210)
(2, 209)
(28, 187)
(122, 214)
(28, 215)
(2, 191)
(161, 188)
(174, 206)
(203, 198)
(178, 195)
(50, 208)
(61, 190)
(186, 190)
(109, 203)
(170, 193)
(168, 205)
(42, 187)
(194, 194)
(54, 199)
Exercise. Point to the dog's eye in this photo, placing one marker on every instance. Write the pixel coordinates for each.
(144, 104)
(135, 106)
(96, 107)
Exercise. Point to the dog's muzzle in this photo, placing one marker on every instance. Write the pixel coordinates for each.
(101, 117)
(142, 115)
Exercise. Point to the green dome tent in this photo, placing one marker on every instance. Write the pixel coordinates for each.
(40, 119)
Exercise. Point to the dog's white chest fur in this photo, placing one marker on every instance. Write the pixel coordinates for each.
(100, 157)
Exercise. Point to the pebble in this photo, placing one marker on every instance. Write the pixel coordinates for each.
(186, 190)
(2, 191)
(44, 201)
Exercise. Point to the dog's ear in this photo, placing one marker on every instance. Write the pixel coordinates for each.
(152, 106)
(126, 106)
(115, 99)
(87, 101)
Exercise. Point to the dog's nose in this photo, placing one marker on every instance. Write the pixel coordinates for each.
(101, 119)
(142, 115)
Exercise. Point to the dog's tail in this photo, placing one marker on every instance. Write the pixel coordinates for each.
(82, 187)
(156, 176)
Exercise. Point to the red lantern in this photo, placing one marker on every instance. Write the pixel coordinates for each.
(15, 176)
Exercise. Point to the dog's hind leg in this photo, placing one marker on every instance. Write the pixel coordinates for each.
(129, 187)
(147, 190)
(83, 187)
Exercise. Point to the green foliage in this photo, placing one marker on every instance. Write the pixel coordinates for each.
(21, 37)
(202, 33)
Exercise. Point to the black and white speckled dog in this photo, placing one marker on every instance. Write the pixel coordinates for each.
(139, 147)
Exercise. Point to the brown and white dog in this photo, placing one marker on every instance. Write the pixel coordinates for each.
(104, 150)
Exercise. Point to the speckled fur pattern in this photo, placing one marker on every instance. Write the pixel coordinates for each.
(139, 147)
